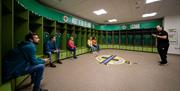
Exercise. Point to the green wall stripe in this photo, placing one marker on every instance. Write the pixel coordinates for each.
(129, 26)
(41, 10)
(53, 14)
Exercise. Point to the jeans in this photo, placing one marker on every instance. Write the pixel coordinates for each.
(93, 48)
(97, 47)
(50, 55)
(36, 72)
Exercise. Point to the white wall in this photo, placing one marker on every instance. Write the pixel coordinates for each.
(173, 22)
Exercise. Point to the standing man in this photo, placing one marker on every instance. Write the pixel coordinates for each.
(162, 44)
(22, 60)
(72, 47)
(49, 48)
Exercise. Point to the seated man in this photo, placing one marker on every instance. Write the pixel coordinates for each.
(49, 48)
(22, 60)
(72, 47)
(90, 45)
(94, 43)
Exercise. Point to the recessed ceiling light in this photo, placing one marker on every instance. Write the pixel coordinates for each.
(112, 20)
(149, 14)
(100, 12)
(151, 1)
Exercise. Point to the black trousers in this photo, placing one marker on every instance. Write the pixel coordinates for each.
(73, 50)
(163, 54)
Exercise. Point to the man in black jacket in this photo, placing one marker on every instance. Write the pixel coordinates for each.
(162, 44)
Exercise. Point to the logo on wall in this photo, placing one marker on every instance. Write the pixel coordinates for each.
(124, 27)
(111, 59)
(65, 18)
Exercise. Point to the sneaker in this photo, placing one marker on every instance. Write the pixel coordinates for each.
(75, 57)
(40, 89)
(159, 61)
(59, 62)
(52, 65)
(43, 89)
(163, 64)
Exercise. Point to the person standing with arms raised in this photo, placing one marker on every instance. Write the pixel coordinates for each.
(162, 44)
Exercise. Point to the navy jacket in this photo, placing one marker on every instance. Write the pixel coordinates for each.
(49, 47)
(18, 59)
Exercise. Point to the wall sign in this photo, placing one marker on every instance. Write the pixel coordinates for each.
(135, 26)
(173, 36)
(65, 18)
(79, 22)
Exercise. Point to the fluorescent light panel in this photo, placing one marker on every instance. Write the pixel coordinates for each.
(112, 20)
(149, 14)
(100, 12)
(151, 1)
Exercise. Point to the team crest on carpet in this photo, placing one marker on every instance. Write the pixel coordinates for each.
(111, 59)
